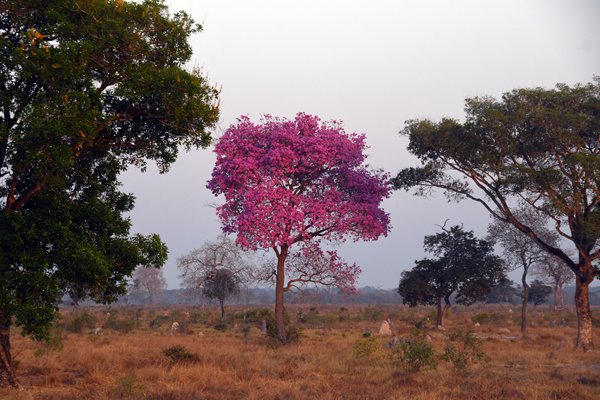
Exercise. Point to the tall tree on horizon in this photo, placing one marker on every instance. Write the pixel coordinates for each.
(534, 146)
(464, 265)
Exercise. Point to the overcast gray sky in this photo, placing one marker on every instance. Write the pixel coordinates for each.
(372, 64)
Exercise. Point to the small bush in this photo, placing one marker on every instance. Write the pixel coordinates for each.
(180, 355)
(481, 318)
(366, 347)
(221, 326)
(159, 321)
(467, 352)
(415, 355)
(80, 322)
(126, 387)
(121, 325)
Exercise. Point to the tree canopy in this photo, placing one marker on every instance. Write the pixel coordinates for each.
(87, 89)
(294, 182)
(464, 265)
(536, 147)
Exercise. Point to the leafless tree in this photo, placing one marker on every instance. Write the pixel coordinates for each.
(212, 256)
(520, 251)
(554, 271)
(148, 283)
(311, 265)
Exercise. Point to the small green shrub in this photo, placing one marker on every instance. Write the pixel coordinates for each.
(415, 355)
(467, 351)
(366, 347)
(180, 355)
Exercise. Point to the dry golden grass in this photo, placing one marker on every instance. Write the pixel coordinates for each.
(323, 365)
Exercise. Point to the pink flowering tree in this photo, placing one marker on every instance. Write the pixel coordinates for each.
(297, 183)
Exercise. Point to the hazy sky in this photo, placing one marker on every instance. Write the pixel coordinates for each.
(372, 64)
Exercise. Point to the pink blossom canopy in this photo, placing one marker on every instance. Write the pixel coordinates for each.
(287, 181)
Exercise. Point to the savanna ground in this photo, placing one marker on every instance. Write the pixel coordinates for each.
(137, 357)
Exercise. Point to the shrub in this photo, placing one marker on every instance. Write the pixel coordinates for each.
(180, 355)
(481, 318)
(80, 322)
(467, 352)
(120, 325)
(126, 387)
(221, 326)
(366, 347)
(415, 355)
(159, 321)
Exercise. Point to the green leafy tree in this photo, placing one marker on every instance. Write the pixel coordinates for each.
(534, 147)
(464, 265)
(87, 89)
(221, 284)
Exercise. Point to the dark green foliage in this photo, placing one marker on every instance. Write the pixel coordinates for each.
(538, 292)
(505, 291)
(78, 322)
(88, 88)
(464, 265)
(415, 355)
(180, 355)
(535, 148)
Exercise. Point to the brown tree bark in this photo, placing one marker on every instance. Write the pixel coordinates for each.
(7, 373)
(525, 301)
(440, 313)
(279, 291)
(555, 296)
(582, 306)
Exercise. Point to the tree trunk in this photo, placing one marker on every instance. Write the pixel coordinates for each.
(440, 313)
(7, 373)
(279, 290)
(562, 295)
(222, 303)
(555, 296)
(525, 301)
(584, 314)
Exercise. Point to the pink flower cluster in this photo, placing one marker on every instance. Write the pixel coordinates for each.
(290, 181)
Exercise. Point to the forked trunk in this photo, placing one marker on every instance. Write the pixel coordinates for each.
(584, 314)
(7, 373)
(279, 290)
(525, 301)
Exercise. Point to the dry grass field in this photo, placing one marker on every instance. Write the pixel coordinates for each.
(333, 359)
